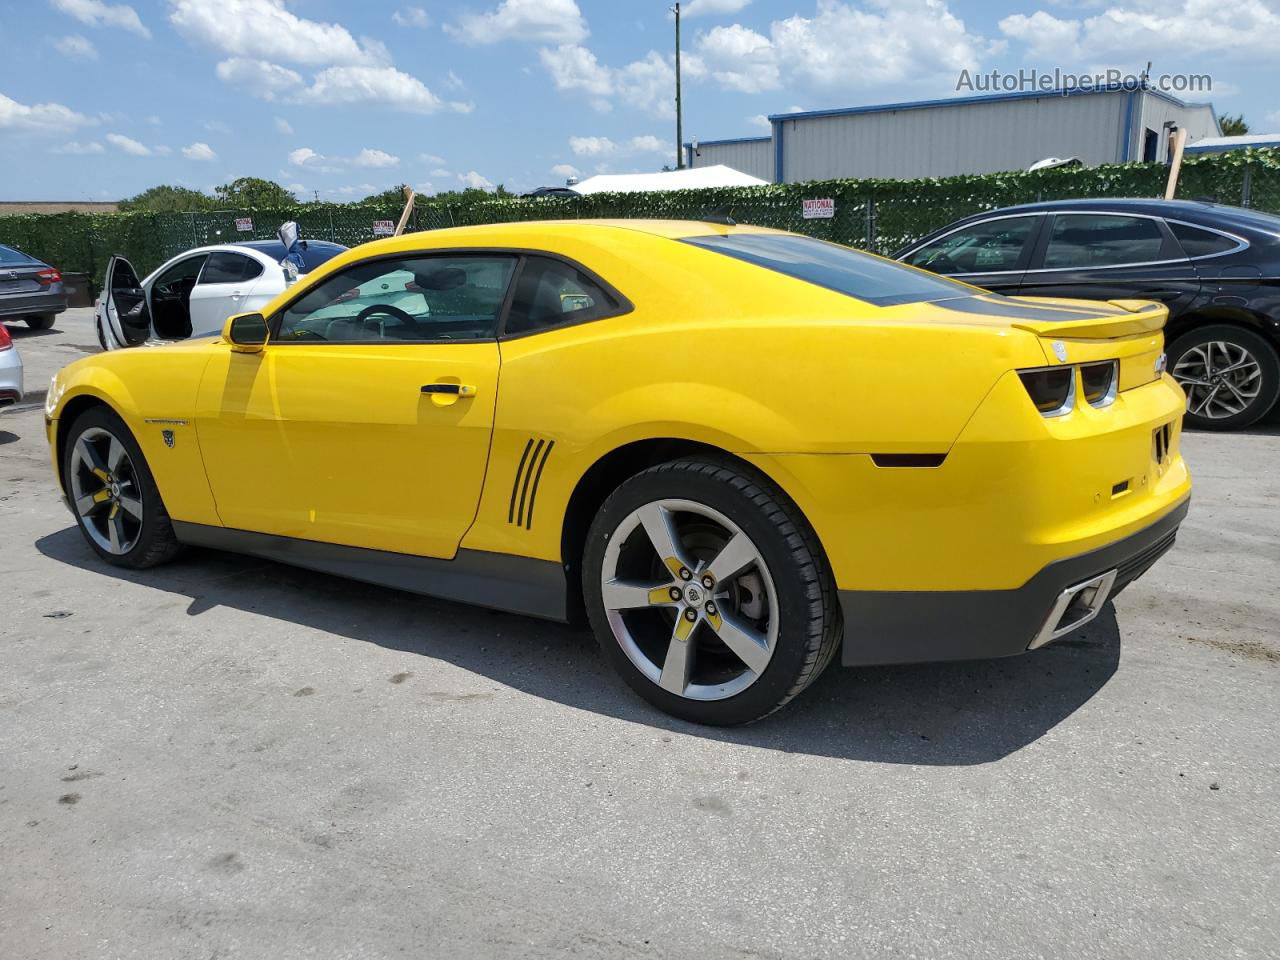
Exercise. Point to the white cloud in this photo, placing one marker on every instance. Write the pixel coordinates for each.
(440, 172)
(284, 126)
(1241, 29)
(199, 151)
(411, 17)
(430, 158)
(385, 86)
(304, 155)
(604, 147)
(740, 59)
(647, 84)
(359, 188)
(453, 81)
(217, 126)
(564, 170)
(296, 188)
(473, 179)
(79, 149)
(266, 30)
(531, 21)
(761, 121)
(38, 117)
(129, 145)
(710, 8)
(591, 146)
(374, 158)
(76, 47)
(267, 81)
(153, 120)
(95, 13)
(162, 150)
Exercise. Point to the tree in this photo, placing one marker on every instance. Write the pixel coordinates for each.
(389, 197)
(167, 199)
(256, 193)
(1233, 126)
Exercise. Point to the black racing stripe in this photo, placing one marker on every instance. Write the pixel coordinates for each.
(533, 494)
(528, 475)
(515, 484)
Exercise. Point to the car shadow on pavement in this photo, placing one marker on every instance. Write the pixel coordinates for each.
(20, 331)
(936, 714)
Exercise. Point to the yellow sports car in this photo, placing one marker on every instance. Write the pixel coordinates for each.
(733, 450)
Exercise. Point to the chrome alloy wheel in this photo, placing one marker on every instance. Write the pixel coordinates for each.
(689, 599)
(1221, 379)
(105, 491)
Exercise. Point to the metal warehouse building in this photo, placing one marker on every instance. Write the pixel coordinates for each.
(942, 138)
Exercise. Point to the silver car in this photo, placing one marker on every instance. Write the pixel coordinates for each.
(10, 370)
(30, 289)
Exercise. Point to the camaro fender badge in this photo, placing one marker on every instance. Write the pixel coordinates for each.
(168, 437)
(1060, 351)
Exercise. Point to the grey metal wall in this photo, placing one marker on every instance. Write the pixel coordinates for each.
(1196, 119)
(753, 157)
(949, 140)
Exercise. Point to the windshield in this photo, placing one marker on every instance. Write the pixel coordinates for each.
(838, 268)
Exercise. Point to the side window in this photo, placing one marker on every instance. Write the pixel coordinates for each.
(1201, 243)
(551, 293)
(990, 246)
(252, 269)
(406, 299)
(223, 267)
(1102, 240)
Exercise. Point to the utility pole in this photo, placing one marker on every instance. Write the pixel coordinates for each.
(679, 106)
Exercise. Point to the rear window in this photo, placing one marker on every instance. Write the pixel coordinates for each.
(838, 268)
(314, 252)
(10, 255)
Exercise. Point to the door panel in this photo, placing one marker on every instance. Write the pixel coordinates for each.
(225, 281)
(1111, 257)
(339, 443)
(126, 303)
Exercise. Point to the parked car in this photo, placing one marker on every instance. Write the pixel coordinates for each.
(193, 293)
(725, 444)
(10, 370)
(30, 289)
(1217, 269)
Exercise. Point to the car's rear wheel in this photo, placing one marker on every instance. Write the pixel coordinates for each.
(709, 592)
(113, 495)
(42, 321)
(1231, 376)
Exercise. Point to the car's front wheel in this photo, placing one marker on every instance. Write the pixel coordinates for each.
(1231, 376)
(114, 497)
(709, 592)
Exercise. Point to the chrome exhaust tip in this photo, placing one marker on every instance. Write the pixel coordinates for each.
(1075, 607)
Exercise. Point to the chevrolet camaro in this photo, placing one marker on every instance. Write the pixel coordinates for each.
(736, 453)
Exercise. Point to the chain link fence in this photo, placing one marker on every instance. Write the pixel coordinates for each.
(877, 215)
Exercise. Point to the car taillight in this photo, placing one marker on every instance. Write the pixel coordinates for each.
(48, 276)
(1099, 381)
(1052, 389)
(5, 342)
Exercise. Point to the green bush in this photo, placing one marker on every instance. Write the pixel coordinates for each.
(878, 215)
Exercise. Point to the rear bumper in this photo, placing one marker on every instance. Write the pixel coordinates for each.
(884, 627)
(53, 300)
(10, 377)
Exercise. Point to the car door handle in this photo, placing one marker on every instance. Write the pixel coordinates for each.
(450, 389)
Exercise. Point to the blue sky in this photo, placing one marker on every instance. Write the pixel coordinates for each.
(100, 99)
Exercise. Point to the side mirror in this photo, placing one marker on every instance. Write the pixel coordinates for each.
(246, 332)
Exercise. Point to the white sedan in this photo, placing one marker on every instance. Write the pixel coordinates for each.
(192, 294)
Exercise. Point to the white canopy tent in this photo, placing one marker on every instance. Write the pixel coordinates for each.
(689, 179)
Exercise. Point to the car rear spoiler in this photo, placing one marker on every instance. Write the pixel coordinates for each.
(1130, 318)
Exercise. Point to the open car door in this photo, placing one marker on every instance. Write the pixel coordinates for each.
(126, 304)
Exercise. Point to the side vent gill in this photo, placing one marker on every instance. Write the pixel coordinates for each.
(524, 488)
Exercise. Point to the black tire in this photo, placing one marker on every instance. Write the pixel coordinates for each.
(809, 627)
(1259, 347)
(42, 321)
(156, 542)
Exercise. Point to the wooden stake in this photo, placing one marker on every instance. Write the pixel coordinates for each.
(409, 196)
(1175, 168)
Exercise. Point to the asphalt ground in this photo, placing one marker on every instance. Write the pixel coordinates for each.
(226, 757)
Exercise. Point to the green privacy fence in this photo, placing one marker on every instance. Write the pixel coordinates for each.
(877, 215)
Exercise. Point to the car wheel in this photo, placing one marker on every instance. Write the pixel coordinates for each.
(42, 322)
(1231, 376)
(113, 495)
(708, 591)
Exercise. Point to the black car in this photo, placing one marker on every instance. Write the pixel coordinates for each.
(1216, 267)
(30, 289)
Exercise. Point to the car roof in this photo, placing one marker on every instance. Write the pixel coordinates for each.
(262, 245)
(1196, 211)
